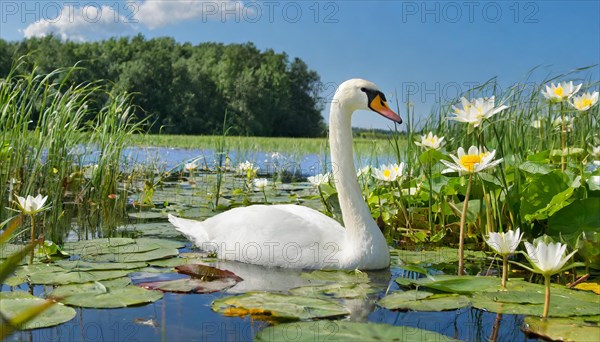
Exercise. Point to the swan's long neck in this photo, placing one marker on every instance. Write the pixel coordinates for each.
(362, 231)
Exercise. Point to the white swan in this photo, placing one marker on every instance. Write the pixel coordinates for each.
(299, 237)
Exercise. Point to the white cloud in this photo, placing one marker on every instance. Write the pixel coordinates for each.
(157, 13)
(82, 24)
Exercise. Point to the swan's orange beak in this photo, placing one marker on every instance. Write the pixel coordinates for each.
(380, 106)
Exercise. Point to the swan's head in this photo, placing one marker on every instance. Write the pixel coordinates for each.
(357, 94)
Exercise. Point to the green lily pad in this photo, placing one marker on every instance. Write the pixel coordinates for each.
(563, 329)
(90, 288)
(346, 331)
(95, 246)
(188, 285)
(75, 277)
(360, 290)
(164, 243)
(561, 304)
(157, 229)
(460, 284)
(438, 256)
(114, 298)
(54, 315)
(337, 276)
(423, 301)
(278, 307)
(146, 215)
(15, 295)
(99, 266)
(160, 253)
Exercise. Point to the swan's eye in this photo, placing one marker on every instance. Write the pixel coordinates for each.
(363, 89)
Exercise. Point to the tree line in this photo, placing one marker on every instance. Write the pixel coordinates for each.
(182, 88)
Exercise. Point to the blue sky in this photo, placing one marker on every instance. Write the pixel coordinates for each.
(432, 49)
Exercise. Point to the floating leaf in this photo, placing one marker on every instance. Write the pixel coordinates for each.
(278, 307)
(147, 215)
(423, 301)
(99, 266)
(54, 315)
(206, 272)
(460, 284)
(115, 298)
(90, 288)
(438, 256)
(158, 229)
(346, 331)
(563, 329)
(190, 285)
(161, 253)
(337, 276)
(360, 290)
(164, 243)
(96, 246)
(74, 277)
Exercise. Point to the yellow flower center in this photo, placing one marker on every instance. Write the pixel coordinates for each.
(558, 91)
(468, 161)
(430, 141)
(583, 103)
(387, 173)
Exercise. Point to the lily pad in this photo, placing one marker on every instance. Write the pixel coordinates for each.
(188, 285)
(563, 329)
(90, 288)
(54, 315)
(360, 290)
(95, 246)
(75, 277)
(161, 253)
(99, 266)
(438, 256)
(561, 305)
(206, 273)
(346, 331)
(337, 276)
(278, 307)
(460, 284)
(115, 298)
(423, 301)
(147, 215)
(164, 243)
(158, 229)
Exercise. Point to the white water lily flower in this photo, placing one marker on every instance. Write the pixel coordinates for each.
(547, 259)
(585, 101)
(190, 166)
(430, 141)
(261, 183)
(247, 167)
(388, 173)
(505, 243)
(31, 205)
(475, 111)
(316, 180)
(473, 161)
(560, 92)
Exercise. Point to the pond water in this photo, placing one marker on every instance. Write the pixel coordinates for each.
(189, 317)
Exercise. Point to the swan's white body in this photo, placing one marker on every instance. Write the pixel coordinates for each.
(299, 237)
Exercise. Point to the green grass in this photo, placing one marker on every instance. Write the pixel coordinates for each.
(264, 144)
